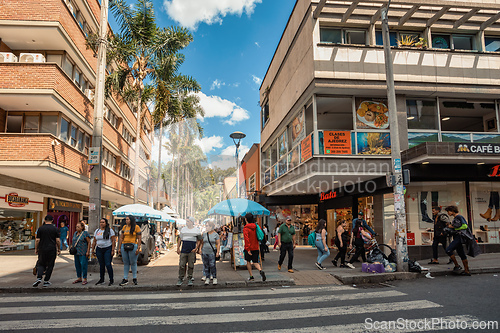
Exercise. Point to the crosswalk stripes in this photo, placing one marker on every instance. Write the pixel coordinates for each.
(236, 307)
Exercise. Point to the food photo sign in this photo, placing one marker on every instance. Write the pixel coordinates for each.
(372, 114)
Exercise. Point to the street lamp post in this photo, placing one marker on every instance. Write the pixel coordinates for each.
(148, 173)
(399, 203)
(237, 136)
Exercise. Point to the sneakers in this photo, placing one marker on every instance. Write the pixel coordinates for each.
(135, 282)
(179, 283)
(290, 270)
(319, 265)
(457, 269)
(99, 282)
(350, 265)
(46, 284)
(279, 267)
(214, 281)
(203, 278)
(123, 283)
(111, 283)
(37, 282)
(322, 267)
(251, 278)
(207, 282)
(343, 266)
(334, 262)
(190, 282)
(263, 275)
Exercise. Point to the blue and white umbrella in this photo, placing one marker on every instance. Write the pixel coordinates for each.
(238, 207)
(137, 210)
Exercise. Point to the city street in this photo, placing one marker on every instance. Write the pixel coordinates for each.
(295, 309)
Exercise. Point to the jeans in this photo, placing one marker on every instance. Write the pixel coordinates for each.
(81, 265)
(64, 241)
(494, 200)
(104, 258)
(186, 258)
(456, 244)
(342, 252)
(46, 261)
(438, 240)
(129, 260)
(284, 249)
(322, 254)
(209, 268)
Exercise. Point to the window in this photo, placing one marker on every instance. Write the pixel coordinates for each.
(465, 116)
(77, 78)
(455, 42)
(329, 35)
(355, 37)
(86, 145)
(105, 157)
(463, 43)
(126, 135)
(80, 140)
(125, 171)
(441, 42)
(492, 44)
(74, 132)
(49, 125)
(31, 124)
(57, 58)
(393, 37)
(421, 114)
(14, 124)
(68, 66)
(334, 113)
(112, 118)
(251, 183)
(64, 130)
(265, 114)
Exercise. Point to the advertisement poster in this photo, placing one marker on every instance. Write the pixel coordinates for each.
(337, 142)
(294, 158)
(372, 114)
(298, 128)
(374, 144)
(485, 200)
(306, 148)
(283, 146)
(238, 247)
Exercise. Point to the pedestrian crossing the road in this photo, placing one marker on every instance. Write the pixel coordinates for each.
(312, 309)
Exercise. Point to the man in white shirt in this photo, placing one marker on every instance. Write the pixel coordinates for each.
(188, 244)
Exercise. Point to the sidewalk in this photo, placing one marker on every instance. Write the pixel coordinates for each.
(16, 274)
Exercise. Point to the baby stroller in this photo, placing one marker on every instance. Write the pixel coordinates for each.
(375, 254)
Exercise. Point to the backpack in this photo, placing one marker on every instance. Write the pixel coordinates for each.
(260, 233)
(311, 239)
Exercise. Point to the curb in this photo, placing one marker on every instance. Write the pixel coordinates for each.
(149, 287)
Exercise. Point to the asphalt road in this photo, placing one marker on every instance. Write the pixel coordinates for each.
(307, 309)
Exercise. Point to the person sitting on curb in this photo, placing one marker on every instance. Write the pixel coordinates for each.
(252, 246)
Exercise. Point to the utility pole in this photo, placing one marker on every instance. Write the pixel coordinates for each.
(96, 171)
(399, 203)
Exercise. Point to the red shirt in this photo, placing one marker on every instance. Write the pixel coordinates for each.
(250, 235)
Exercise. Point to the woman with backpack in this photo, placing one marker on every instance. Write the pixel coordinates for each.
(341, 240)
(321, 246)
(358, 238)
(460, 232)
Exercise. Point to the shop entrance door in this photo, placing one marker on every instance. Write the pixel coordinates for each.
(70, 218)
(333, 216)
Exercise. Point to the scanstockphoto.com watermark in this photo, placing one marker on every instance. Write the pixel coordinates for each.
(429, 324)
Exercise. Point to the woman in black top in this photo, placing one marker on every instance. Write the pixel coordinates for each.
(341, 241)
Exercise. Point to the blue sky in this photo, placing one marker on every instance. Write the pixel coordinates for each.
(234, 41)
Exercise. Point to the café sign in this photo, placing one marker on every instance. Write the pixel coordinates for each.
(477, 148)
(66, 206)
(14, 200)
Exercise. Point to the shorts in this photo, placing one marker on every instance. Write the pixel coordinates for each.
(253, 258)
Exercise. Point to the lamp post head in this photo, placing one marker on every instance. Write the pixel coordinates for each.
(237, 136)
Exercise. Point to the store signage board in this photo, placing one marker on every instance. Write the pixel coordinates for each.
(495, 171)
(477, 148)
(328, 195)
(94, 156)
(65, 206)
(337, 142)
(306, 148)
(14, 200)
(397, 165)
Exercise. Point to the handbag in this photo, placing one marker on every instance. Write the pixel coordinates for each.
(260, 233)
(217, 256)
(72, 249)
(128, 246)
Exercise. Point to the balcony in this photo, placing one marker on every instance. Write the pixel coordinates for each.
(43, 159)
(416, 71)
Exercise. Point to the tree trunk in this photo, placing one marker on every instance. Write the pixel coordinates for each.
(159, 168)
(137, 148)
(172, 174)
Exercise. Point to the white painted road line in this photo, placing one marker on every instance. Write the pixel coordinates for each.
(13, 325)
(197, 305)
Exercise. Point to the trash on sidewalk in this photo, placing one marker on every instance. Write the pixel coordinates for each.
(376, 267)
(428, 275)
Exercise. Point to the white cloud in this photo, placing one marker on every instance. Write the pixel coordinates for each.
(217, 84)
(208, 144)
(231, 151)
(257, 80)
(190, 13)
(257, 43)
(215, 106)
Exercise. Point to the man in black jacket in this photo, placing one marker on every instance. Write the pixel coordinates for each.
(441, 220)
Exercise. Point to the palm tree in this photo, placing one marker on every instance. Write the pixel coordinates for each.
(140, 48)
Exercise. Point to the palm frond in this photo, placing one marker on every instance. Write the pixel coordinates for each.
(123, 15)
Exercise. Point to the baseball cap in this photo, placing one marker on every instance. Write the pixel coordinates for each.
(191, 219)
(288, 218)
(361, 214)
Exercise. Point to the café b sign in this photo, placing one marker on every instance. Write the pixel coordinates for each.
(477, 148)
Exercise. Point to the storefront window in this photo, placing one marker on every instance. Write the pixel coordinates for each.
(421, 197)
(335, 113)
(485, 203)
(465, 116)
(17, 229)
(422, 114)
(304, 219)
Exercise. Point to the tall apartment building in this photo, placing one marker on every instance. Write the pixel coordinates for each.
(47, 80)
(325, 139)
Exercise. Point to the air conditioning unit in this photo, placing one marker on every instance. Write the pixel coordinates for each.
(90, 94)
(7, 57)
(31, 57)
